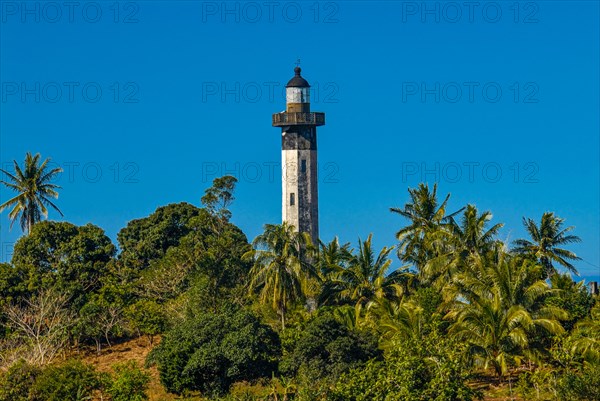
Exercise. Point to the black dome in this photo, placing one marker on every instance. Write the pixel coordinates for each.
(297, 81)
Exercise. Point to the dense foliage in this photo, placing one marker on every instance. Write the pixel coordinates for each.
(72, 380)
(426, 369)
(325, 348)
(210, 352)
(448, 310)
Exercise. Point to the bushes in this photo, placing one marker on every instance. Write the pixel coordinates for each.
(129, 383)
(210, 352)
(429, 369)
(571, 383)
(16, 383)
(582, 384)
(325, 349)
(72, 380)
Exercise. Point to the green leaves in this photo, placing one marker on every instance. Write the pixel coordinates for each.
(359, 279)
(500, 308)
(59, 254)
(280, 273)
(431, 368)
(148, 238)
(147, 318)
(34, 188)
(218, 197)
(71, 381)
(210, 352)
(545, 241)
(425, 215)
(325, 348)
(129, 383)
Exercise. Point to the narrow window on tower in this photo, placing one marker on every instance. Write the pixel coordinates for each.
(303, 166)
(292, 199)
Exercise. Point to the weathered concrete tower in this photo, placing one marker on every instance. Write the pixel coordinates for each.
(300, 199)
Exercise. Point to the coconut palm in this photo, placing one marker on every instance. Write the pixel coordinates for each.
(404, 318)
(281, 271)
(586, 337)
(546, 242)
(34, 190)
(365, 278)
(426, 216)
(472, 234)
(333, 257)
(469, 239)
(499, 308)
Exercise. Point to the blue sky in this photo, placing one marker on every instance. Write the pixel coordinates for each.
(144, 103)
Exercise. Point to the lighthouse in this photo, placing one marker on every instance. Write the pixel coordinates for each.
(300, 195)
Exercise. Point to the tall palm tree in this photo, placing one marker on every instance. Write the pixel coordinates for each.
(281, 271)
(426, 216)
(34, 187)
(545, 242)
(365, 278)
(472, 233)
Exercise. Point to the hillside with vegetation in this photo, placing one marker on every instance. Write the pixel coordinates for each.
(185, 306)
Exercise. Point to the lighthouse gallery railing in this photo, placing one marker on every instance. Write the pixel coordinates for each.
(298, 119)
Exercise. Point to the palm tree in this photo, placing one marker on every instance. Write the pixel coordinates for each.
(333, 257)
(499, 308)
(365, 277)
(472, 234)
(468, 241)
(34, 188)
(586, 337)
(426, 217)
(280, 272)
(404, 318)
(545, 242)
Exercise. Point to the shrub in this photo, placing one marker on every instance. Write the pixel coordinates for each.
(325, 349)
(583, 384)
(71, 381)
(147, 318)
(210, 352)
(414, 370)
(129, 383)
(17, 382)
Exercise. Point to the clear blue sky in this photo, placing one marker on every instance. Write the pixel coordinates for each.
(498, 101)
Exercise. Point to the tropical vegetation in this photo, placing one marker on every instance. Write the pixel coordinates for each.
(449, 311)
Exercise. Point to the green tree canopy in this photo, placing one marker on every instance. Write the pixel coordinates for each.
(425, 216)
(546, 242)
(219, 197)
(72, 258)
(210, 352)
(363, 278)
(148, 238)
(325, 348)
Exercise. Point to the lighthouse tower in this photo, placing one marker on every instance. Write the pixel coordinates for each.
(300, 199)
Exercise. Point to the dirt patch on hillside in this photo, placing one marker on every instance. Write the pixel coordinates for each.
(132, 350)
